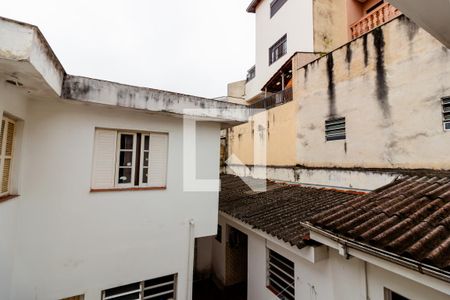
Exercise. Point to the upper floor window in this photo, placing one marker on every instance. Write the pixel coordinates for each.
(162, 288)
(126, 159)
(275, 6)
(446, 112)
(7, 135)
(251, 73)
(278, 50)
(335, 129)
(391, 295)
(280, 277)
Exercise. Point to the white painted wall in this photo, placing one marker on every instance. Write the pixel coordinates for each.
(68, 241)
(295, 19)
(329, 278)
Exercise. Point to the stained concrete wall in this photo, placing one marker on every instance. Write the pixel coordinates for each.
(330, 24)
(388, 85)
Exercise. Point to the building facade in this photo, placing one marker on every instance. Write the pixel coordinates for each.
(93, 202)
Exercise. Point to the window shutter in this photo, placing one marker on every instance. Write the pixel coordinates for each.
(104, 164)
(158, 160)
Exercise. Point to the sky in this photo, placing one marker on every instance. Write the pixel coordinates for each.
(187, 46)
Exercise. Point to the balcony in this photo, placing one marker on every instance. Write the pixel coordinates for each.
(379, 16)
(274, 100)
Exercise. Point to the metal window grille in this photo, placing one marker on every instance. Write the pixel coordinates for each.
(278, 50)
(162, 288)
(251, 73)
(281, 278)
(335, 129)
(446, 112)
(275, 6)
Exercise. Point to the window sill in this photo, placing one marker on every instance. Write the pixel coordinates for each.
(128, 189)
(7, 197)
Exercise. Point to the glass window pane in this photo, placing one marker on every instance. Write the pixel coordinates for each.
(124, 175)
(147, 143)
(145, 175)
(126, 159)
(145, 162)
(126, 141)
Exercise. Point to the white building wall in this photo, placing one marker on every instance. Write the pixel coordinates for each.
(330, 278)
(69, 241)
(295, 19)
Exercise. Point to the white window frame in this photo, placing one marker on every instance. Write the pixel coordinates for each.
(133, 160)
(141, 163)
(3, 155)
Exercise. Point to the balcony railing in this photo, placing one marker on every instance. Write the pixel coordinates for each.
(379, 16)
(274, 100)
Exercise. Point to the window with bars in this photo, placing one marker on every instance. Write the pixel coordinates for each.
(162, 288)
(335, 129)
(446, 112)
(275, 6)
(7, 134)
(278, 50)
(124, 159)
(280, 276)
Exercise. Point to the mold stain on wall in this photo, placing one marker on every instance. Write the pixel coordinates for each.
(331, 86)
(381, 87)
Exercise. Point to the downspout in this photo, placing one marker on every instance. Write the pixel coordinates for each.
(190, 271)
(366, 283)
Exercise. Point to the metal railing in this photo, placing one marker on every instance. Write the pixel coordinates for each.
(379, 16)
(274, 100)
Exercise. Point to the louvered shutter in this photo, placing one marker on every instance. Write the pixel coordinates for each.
(6, 152)
(157, 172)
(104, 164)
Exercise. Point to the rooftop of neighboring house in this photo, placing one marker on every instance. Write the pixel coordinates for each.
(279, 210)
(28, 63)
(407, 219)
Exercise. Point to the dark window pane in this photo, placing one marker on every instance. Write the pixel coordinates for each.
(447, 126)
(126, 159)
(147, 143)
(275, 6)
(145, 162)
(122, 289)
(126, 141)
(145, 175)
(124, 175)
(395, 296)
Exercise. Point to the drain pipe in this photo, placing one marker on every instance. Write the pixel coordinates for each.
(366, 282)
(190, 270)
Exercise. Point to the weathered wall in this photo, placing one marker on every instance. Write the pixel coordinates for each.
(388, 85)
(86, 242)
(330, 24)
(281, 134)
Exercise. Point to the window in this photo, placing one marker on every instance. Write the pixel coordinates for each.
(7, 134)
(446, 112)
(278, 50)
(219, 233)
(251, 73)
(335, 129)
(281, 280)
(125, 159)
(390, 295)
(275, 6)
(162, 288)
(375, 6)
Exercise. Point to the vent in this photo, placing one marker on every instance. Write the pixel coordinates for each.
(335, 129)
(446, 112)
(162, 288)
(281, 278)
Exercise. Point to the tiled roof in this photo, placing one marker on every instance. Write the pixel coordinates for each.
(409, 217)
(280, 209)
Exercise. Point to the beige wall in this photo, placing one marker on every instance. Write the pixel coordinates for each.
(392, 106)
(281, 129)
(330, 24)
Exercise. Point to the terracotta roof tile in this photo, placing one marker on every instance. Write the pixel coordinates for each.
(280, 209)
(409, 217)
